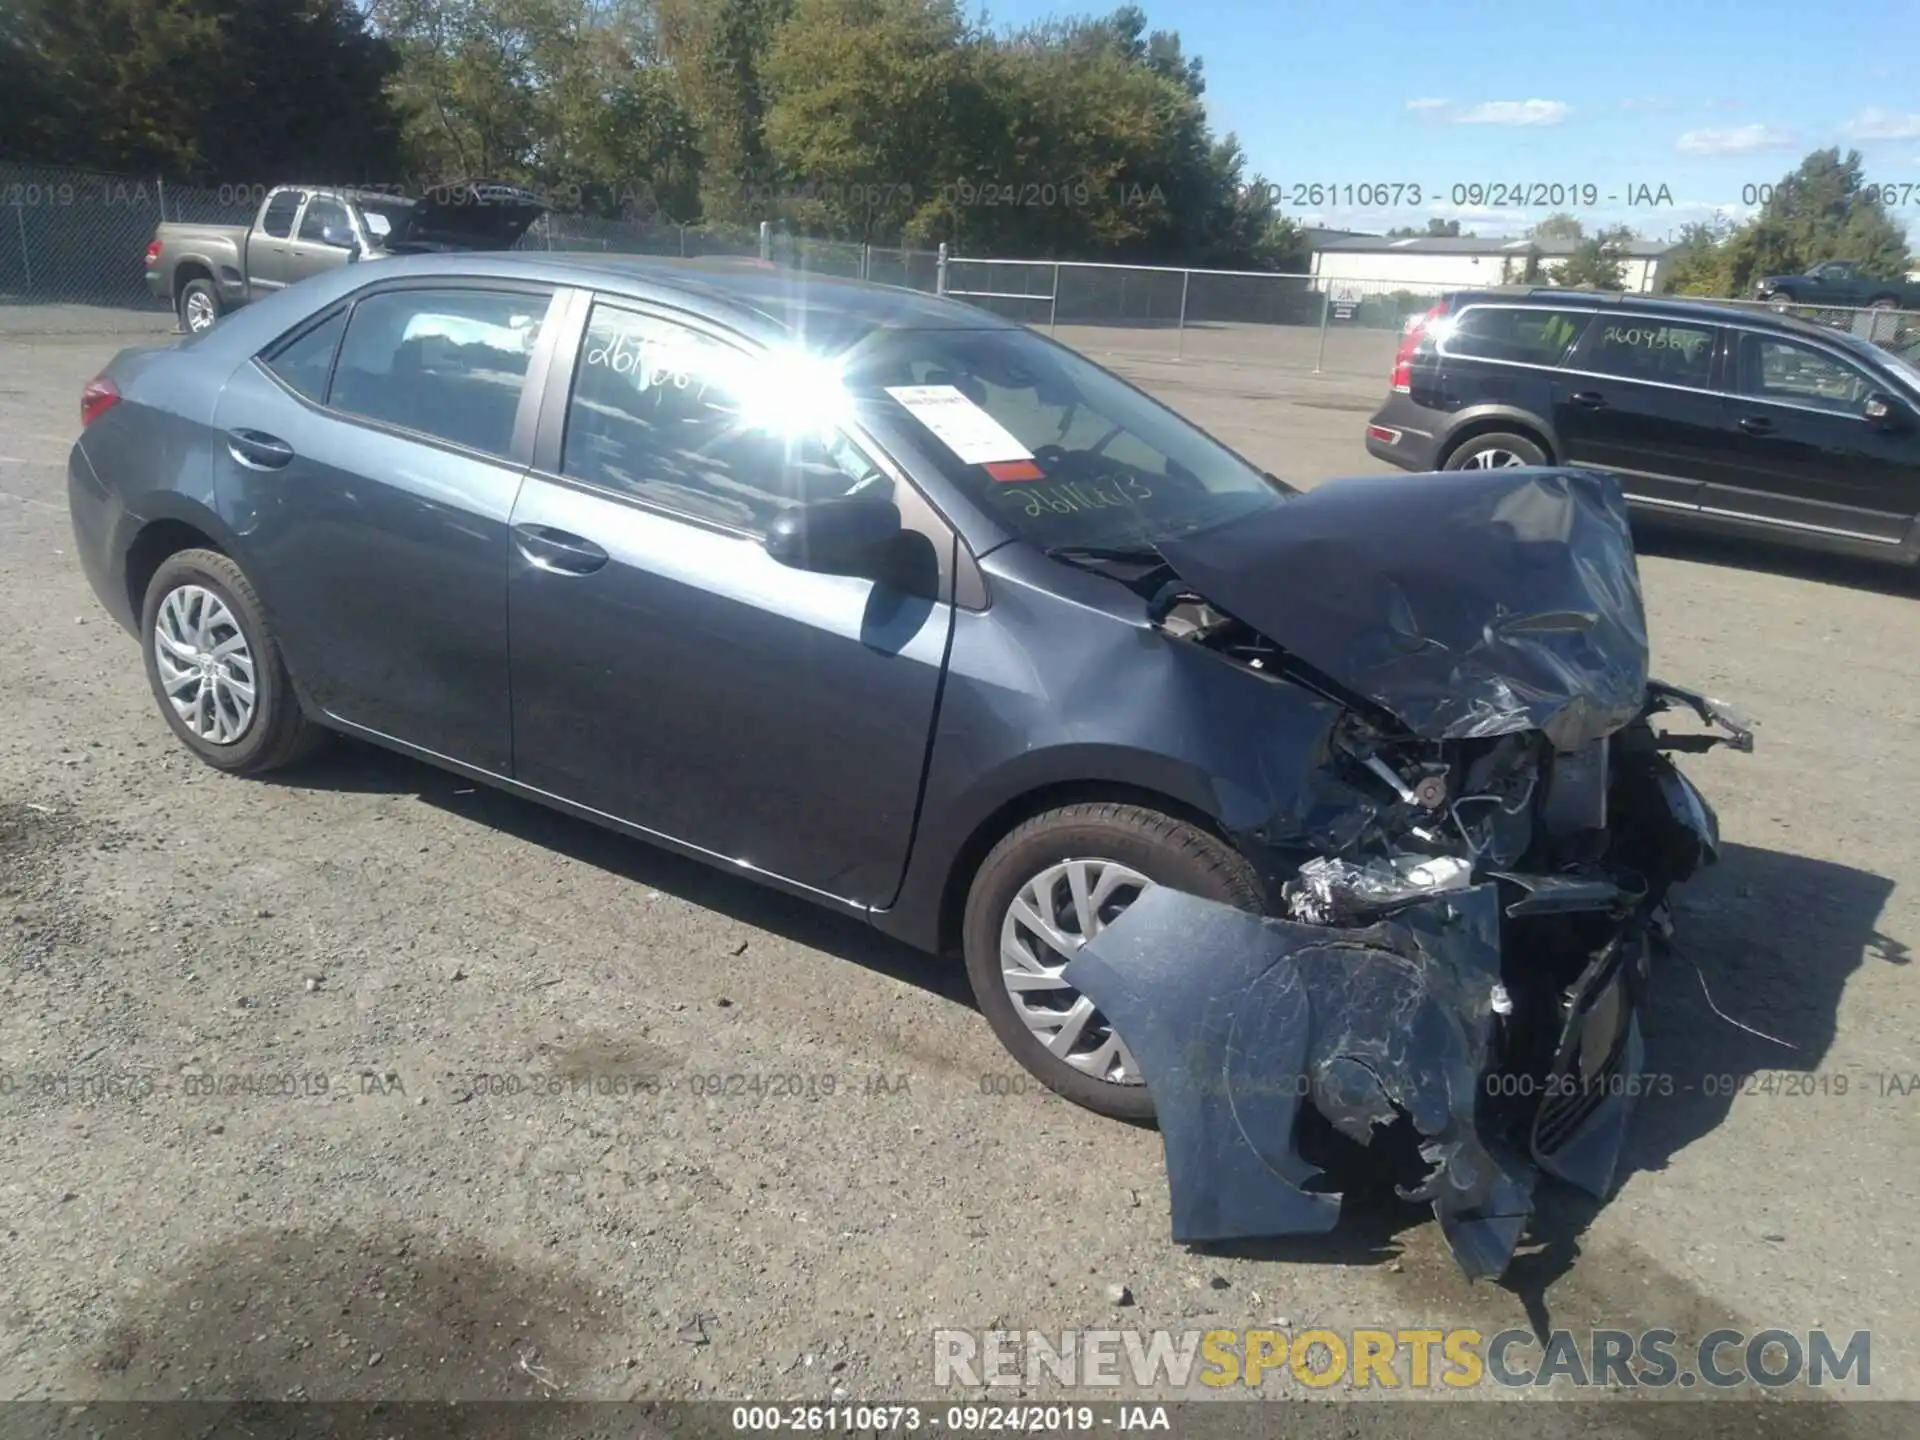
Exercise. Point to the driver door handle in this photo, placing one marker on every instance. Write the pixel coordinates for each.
(559, 552)
(1589, 399)
(1757, 425)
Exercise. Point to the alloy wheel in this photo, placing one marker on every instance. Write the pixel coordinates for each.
(200, 314)
(206, 667)
(1494, 459)
(1052, 916)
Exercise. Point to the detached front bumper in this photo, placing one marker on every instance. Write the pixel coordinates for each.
(1429, 1010)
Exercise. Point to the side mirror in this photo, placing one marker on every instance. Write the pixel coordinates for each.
(847, 536)
(1882, 411)
(341, 237)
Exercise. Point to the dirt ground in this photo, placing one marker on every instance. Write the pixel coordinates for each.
(415, 1004)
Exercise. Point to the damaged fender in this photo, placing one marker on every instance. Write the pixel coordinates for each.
(1235, 1020)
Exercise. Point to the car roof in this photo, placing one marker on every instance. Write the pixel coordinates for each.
(743, 291)
(1705, 311)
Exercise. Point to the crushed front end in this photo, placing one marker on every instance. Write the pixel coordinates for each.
(1467, 949)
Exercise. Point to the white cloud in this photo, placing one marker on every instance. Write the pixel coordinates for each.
(1735, 140)
(1877, 124)
(1514, 112)
(1428, 104)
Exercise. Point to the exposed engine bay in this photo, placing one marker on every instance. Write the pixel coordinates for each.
(1461, 941)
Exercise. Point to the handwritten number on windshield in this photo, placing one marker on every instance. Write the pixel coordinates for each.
(1072, 496)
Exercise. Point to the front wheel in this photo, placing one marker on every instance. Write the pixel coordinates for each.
(1045, 890)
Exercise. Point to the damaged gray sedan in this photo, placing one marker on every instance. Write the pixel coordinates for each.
(1250, 810)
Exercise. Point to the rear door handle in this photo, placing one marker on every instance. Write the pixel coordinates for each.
(1589, 399)
(1757, 425)
(558, 551)
(257, 450)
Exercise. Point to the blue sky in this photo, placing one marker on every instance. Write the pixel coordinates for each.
(1703, 97)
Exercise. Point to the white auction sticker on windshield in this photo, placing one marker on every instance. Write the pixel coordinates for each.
(967, 430)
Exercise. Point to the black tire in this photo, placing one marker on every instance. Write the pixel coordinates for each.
(1165, 850)
(203, 289)
(1528, 451)
(277, 733)
(1884, 302)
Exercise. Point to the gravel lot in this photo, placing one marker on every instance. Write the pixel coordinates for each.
(360, 939)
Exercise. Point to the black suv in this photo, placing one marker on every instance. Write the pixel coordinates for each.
(1713, 416)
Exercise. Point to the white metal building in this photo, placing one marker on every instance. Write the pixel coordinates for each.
(1448, 262)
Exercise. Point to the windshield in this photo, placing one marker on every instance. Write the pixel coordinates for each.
(1062, 452)
(383, 218)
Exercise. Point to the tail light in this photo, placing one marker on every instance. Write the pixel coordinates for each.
(1409, 345)
(100, 396)
(153, 253)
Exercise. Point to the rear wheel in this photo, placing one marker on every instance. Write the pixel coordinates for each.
(1883, 302)
(1496, 452)
(199, 306)
(1046, 889)
(215, 667)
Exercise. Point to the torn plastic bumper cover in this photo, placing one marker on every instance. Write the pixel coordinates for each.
(1399, 1005)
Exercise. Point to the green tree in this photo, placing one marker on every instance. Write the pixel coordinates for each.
(1558, 226)
(1598, 262)
(718, 53)
(217, 91)
(868, 99)
(1525, 268)
(1703, 265)
(1822, 210)
(1436, 228)
(568, 95)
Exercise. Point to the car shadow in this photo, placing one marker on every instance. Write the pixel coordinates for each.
(361, 768)
(1748, 996)
(1771, 937)
(1735, 552)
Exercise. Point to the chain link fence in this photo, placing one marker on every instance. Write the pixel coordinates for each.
(1252, 317)
(1295, 322)
(74, 237)
(77, 238)
(1882, 325)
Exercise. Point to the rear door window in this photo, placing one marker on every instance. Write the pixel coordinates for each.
(1644, 348)
(1529, 335)
(449, 363)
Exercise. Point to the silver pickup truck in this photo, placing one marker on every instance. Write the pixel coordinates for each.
(203, 271)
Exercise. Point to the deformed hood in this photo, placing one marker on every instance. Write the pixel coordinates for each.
(1469, 603)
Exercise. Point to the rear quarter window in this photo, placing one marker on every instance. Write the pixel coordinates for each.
(1528, 336)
